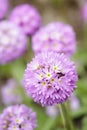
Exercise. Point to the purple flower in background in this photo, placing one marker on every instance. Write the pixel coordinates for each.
(10, 93)
(50, 78)
(13, 42)
(84, 12)
(27, 17)
(4, 6)
(74, 103)
(18, 117)
(52, 111)
(57, 37)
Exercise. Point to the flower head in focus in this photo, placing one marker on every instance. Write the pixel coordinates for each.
(18, 117)
(50, 78)
(13, 42)
(57, 37)
(27, 17)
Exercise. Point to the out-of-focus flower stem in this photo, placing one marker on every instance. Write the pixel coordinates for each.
(67, 122)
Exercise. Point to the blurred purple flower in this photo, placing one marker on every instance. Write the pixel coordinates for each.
(18, 117)
(4, 7)
(50, 78)
(57, 37)
(13, 42)
(10, 94)
(52, 111)
(84, 12)
(74, 103)
(27, 17)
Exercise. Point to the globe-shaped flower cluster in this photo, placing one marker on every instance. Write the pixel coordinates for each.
(27, 17)
(50, 78)
(57, 37)
(13, 42)
(18, 117)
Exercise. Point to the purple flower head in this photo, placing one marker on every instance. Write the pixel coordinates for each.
(4, 6)
(10, 94)
(27, 17)
(18, 117)
(13, 42)
(50, 78)
(57, 37)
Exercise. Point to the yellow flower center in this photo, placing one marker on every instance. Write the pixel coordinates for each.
(52, 80)
(17, 121)
(55, 68)
(41, 76)
(14, 128)
(49, 75)
(43, 83)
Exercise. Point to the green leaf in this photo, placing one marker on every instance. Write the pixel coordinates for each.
(17, 69)
(84, 123)
(48, 124)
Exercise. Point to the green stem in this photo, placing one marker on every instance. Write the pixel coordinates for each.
(62, 116)
(68, 125)
(30, 53)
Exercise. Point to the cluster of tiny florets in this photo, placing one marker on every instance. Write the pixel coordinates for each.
(27, 17)
(13, 42)
(50, 78)
(57, 37)
(18, 117)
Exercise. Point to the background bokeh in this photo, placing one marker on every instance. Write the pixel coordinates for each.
(68, 11)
